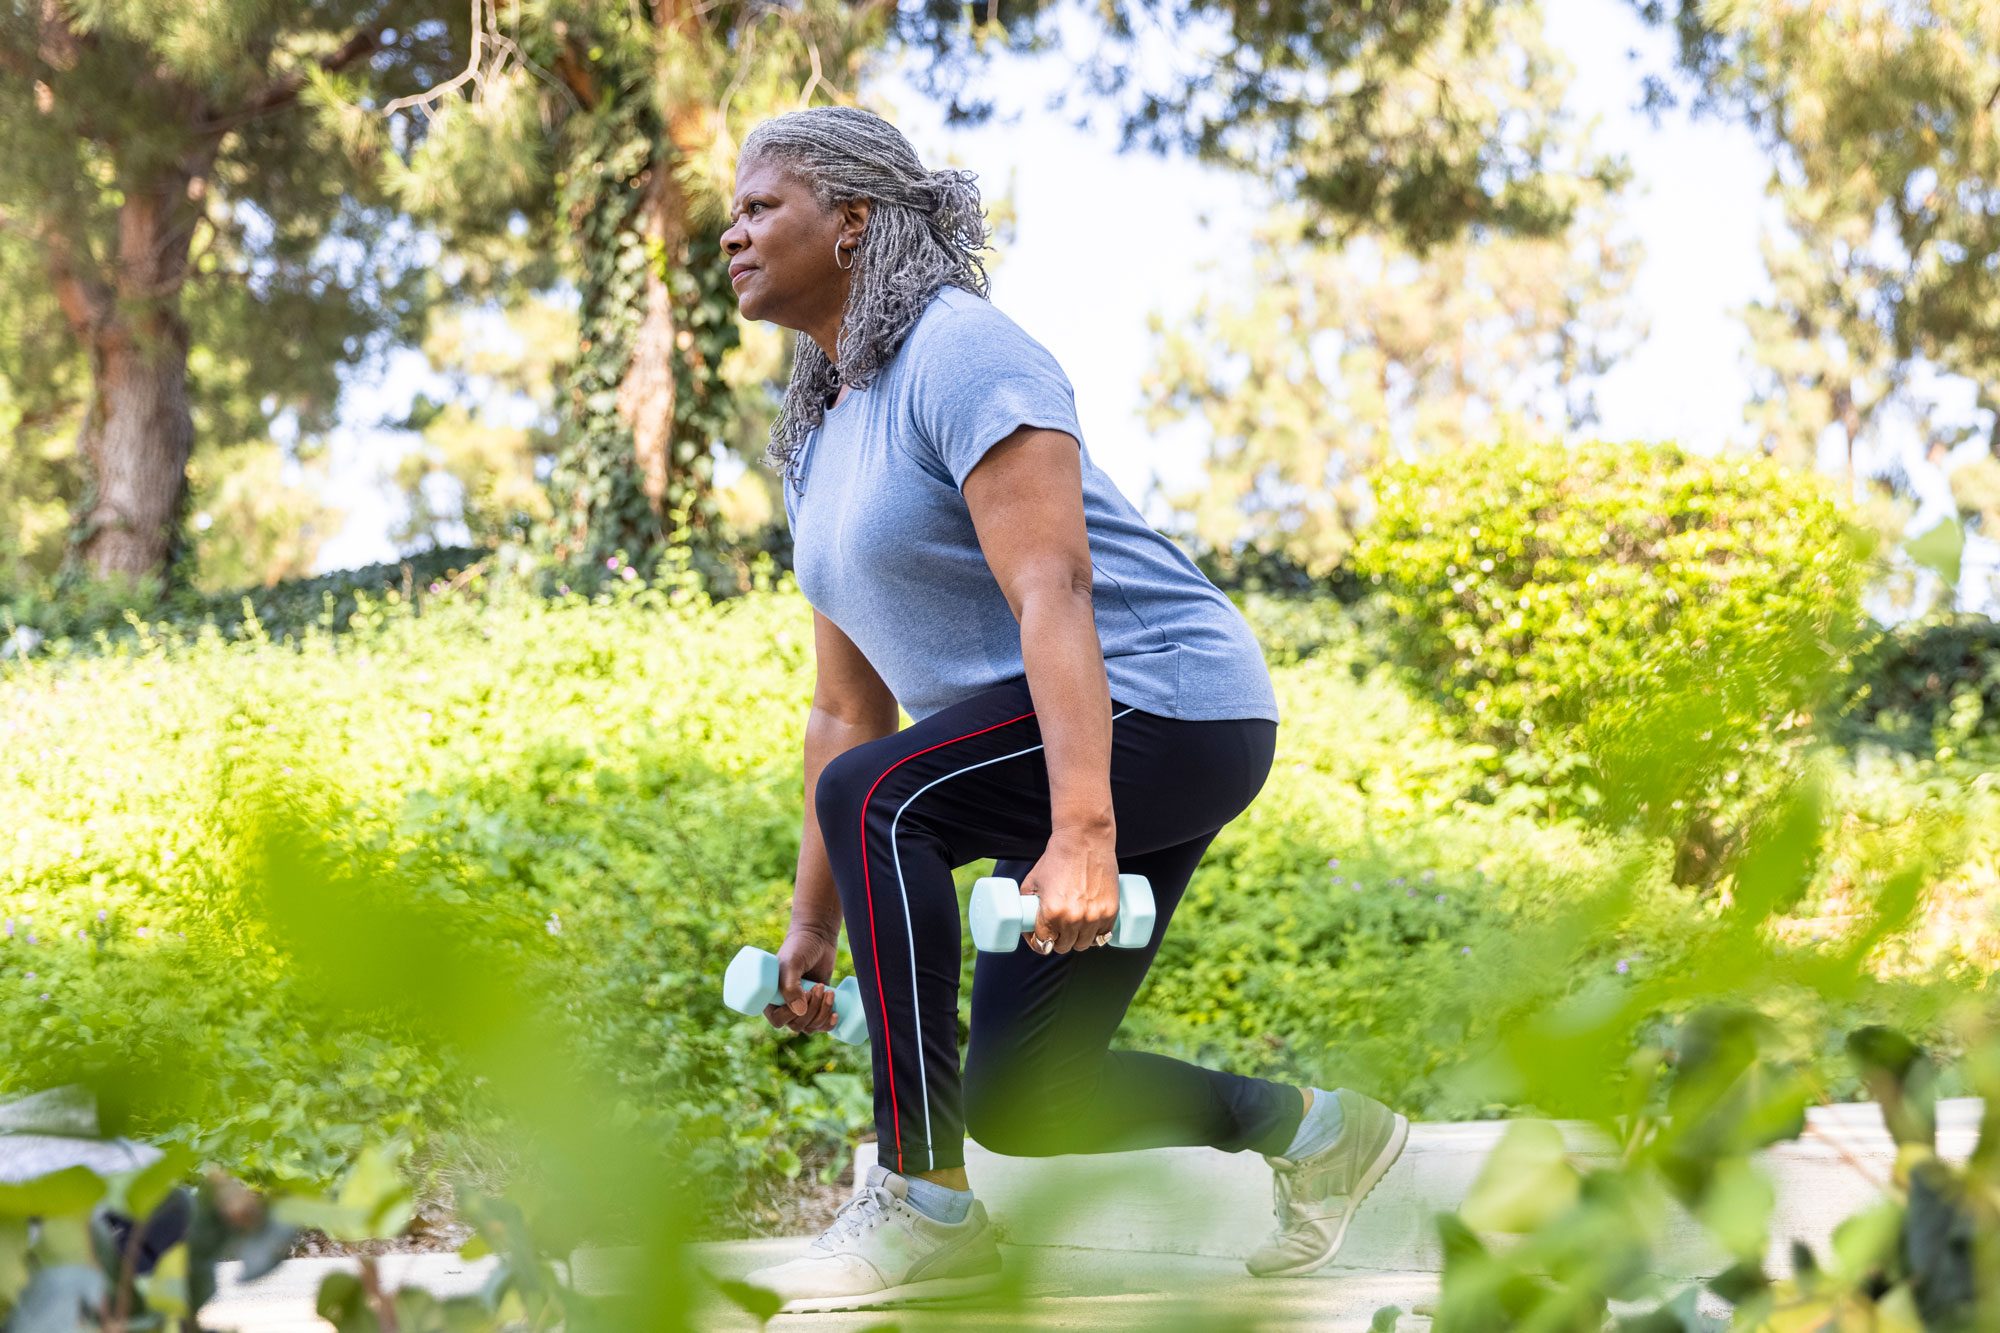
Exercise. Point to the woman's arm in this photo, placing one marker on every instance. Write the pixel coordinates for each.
(851, 706)
(1026, 501)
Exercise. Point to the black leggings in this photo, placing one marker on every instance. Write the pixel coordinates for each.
(968, 782)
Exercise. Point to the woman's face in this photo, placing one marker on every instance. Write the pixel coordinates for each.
(780, 247)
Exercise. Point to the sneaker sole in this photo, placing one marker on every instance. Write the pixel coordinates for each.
(932, 1289)
(1399, 1134)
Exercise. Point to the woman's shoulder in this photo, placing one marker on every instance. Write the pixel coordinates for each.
(960, 327)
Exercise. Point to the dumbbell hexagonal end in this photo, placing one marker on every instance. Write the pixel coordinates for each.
(852, 1024)
(1136, 913)
(997, 913)
(751, 981)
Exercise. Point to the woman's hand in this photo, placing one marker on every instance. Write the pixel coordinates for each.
(1076, 883)
(806, 955)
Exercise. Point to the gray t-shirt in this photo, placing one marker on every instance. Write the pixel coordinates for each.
(884, 546)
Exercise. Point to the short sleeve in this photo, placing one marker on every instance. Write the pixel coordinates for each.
(978, 381)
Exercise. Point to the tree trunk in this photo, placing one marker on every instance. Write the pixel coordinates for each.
(138, 433)
(136, 442)
(646, 394)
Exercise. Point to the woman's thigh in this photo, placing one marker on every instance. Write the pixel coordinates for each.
(1055, 1014)
(975, 778)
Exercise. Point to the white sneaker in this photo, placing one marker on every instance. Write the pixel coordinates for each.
(1316, 1196)
(879, 1251)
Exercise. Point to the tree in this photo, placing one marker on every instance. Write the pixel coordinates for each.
(1823, 358)
(1342, 353)
(493, 436)
(648, 101)
(177, 198)
(1881, 118)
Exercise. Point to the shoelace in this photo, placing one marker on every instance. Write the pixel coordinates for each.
(1282, 1182)
(858, 1214)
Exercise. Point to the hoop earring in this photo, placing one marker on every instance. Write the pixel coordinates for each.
(836, 256)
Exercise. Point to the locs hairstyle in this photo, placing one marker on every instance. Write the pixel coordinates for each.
(925, 229)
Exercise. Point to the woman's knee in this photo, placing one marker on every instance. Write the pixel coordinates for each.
(844, 783)
(1017, 1108)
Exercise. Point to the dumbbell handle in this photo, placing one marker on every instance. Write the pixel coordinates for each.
(750, 985)
(1001, 913)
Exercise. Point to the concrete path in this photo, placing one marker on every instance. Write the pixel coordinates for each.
(1156, 1239)
(1048, 1288)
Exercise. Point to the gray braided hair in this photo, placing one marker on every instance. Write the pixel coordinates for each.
(925, 229)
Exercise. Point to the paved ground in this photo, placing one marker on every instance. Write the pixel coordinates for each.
(1049, 1288)
(1155, 1240)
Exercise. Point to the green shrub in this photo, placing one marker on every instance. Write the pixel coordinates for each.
(610, 786)
(1577, 604)
(1929, 688)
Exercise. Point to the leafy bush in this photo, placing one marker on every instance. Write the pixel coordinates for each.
(79, 612)
(1931, 688)
(607, 787)
(1549, 598)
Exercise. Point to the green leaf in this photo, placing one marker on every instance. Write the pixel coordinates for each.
(1865, 1241)
(61, 1299)
(1739, 1282)
(343, 1302)
(138, 1194)
(1525, 1183)
(1384, 1320)
(1940, 548)
(13, 1259)
(760, 1303)
(1737, 1207)
(1902, 1077)
(335, 1219)
(373, 1201)
(71, 1190)
(166, 1287)
(375, 1188)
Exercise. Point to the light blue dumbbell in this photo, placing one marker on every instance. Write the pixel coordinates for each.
(1001, 913)
(751, 983)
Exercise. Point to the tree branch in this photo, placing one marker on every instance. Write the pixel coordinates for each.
(282, 91)
(470, 73)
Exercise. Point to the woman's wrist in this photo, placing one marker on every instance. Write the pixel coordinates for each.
(827, 932)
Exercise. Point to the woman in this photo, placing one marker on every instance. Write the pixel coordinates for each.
(1086, 703)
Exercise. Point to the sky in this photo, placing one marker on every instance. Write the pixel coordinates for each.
(1104, 238)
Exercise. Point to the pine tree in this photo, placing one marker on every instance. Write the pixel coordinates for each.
(189, 237)
(1345, 350)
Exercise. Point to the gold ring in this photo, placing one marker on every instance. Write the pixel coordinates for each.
(1102, 940)
(1040, 945)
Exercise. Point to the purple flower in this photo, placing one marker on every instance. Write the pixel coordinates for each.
(1440, 897)
(1399, 880)
(1332, 862)
(100, 914)
(1409, 893)
(31, 976)
(611, 563)
(1429, 875)
(1340, 879)
(31, 937)
(1466, 949)
(141, 932)
(1624, 965)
